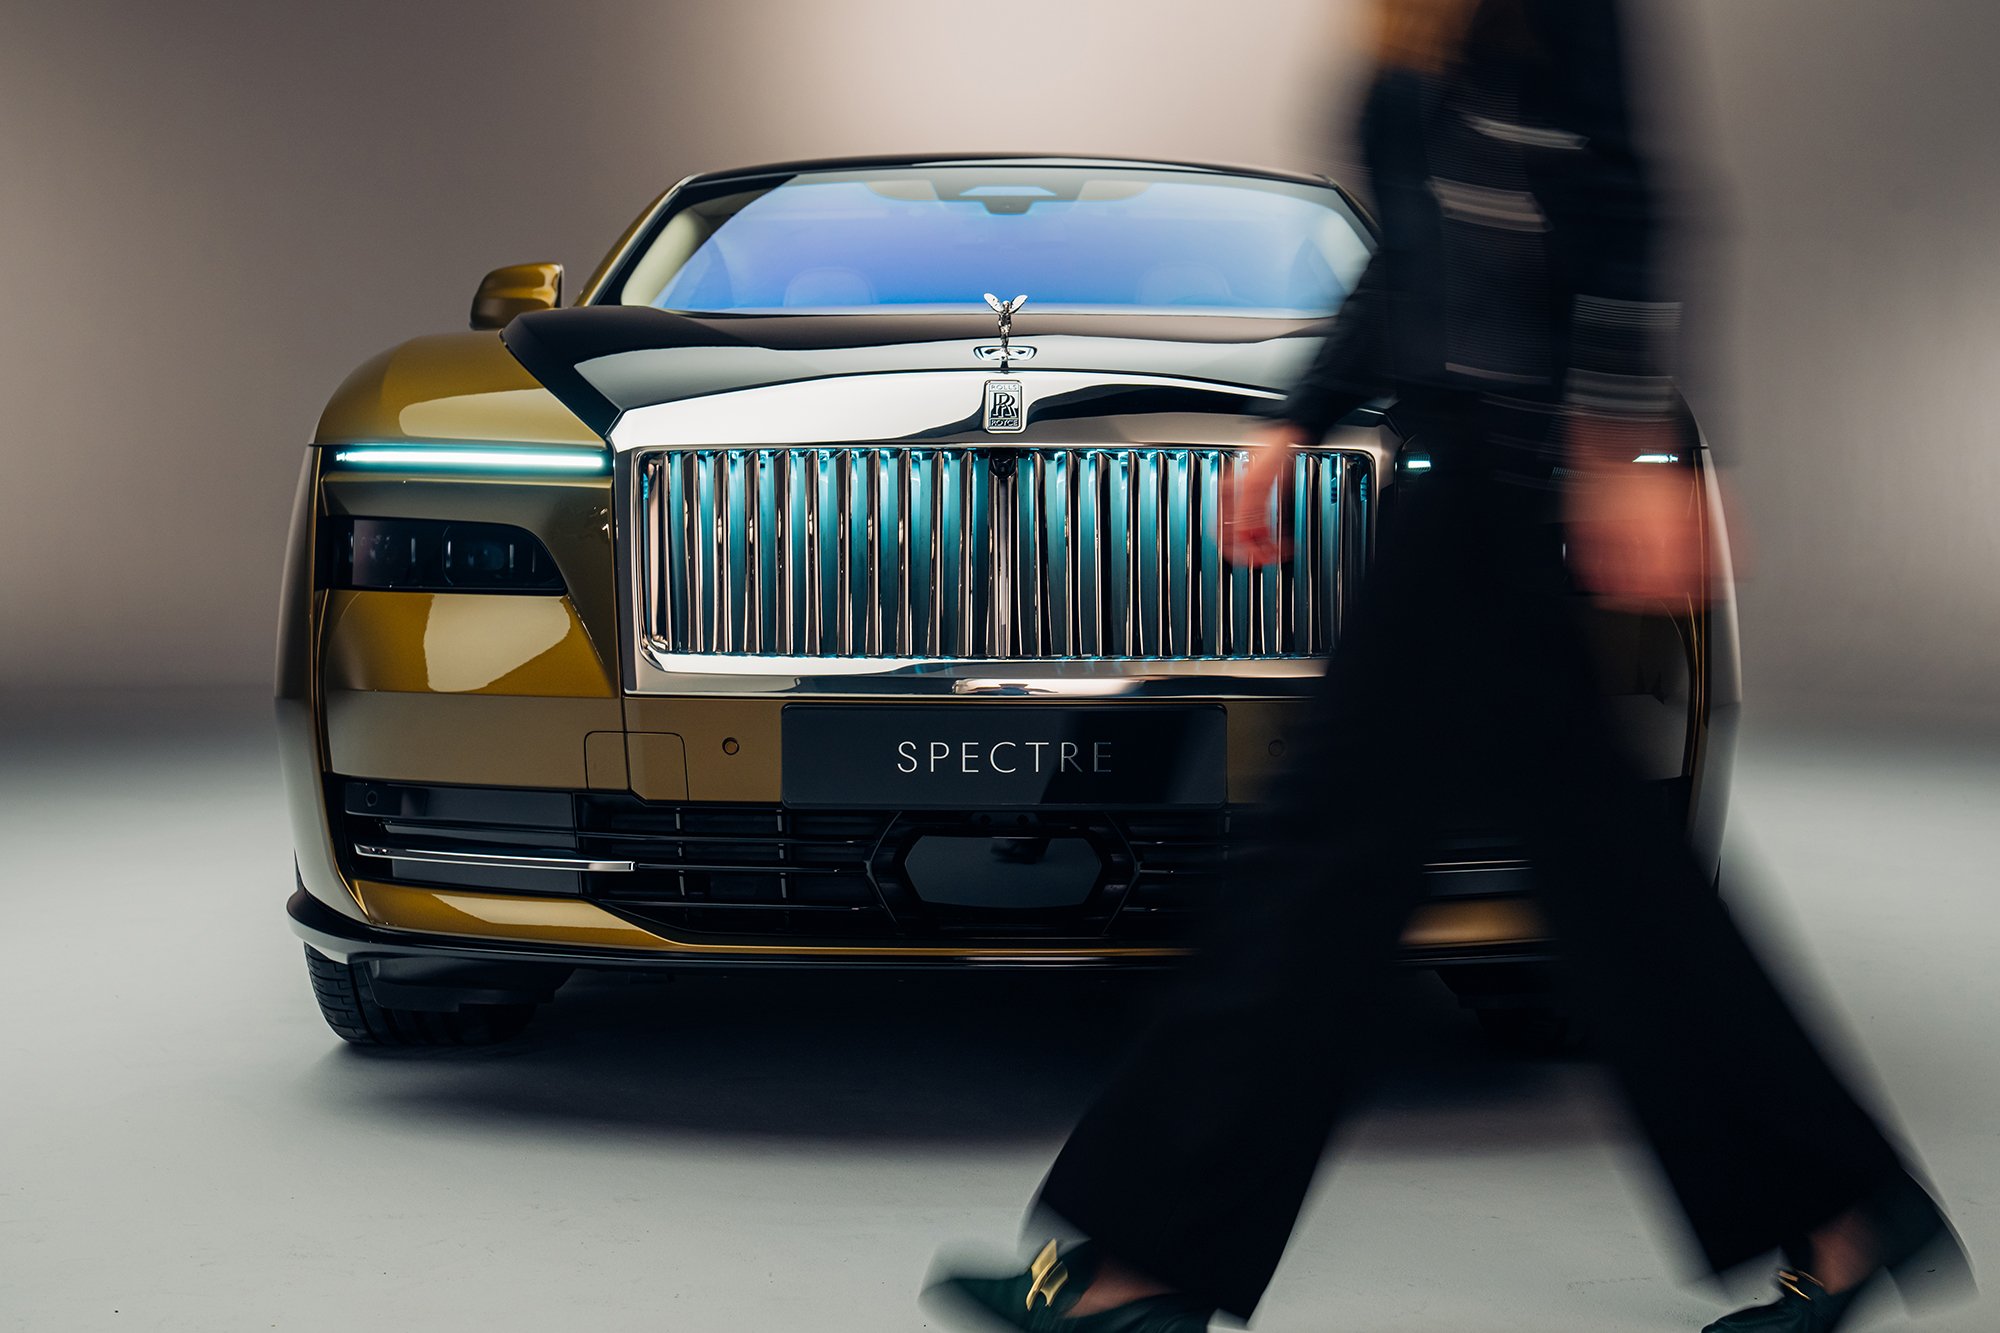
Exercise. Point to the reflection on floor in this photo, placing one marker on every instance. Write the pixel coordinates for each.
(184, 1145)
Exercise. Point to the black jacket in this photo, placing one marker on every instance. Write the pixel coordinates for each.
(1520, 229)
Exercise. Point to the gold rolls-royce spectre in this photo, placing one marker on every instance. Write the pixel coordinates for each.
(838, 582)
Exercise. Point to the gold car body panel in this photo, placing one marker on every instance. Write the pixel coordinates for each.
(449, 386)
(301, 737)
(460, 643)
(465, 739)
(656, 762)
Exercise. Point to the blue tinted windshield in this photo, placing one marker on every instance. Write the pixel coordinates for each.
(1077, 238)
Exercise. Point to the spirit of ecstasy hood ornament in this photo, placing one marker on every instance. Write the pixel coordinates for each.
(1005, 309)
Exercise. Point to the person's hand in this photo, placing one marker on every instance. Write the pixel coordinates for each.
(1248, 535)
(1634, 529)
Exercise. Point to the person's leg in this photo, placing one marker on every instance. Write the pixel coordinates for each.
(1191, 1167)
(1759, 1138)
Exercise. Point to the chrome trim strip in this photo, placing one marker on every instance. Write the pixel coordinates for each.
(673, 674)
(494, 860)
(1478, 879)
(913, 407)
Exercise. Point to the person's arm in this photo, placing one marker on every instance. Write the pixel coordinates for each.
(1343, 375)
(1634, 532)
(1344, 372)
(1625, 323)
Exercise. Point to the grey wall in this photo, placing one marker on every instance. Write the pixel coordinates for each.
(210, 212)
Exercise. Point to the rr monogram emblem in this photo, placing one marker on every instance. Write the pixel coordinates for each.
(1006, 410)
(1049, 1275)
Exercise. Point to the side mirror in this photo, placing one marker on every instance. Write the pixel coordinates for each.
(515, 290)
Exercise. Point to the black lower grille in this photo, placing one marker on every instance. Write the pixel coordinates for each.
(731, 869)
(763, 872)
(771, 871)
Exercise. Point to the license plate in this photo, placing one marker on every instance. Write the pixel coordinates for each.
(979, 756)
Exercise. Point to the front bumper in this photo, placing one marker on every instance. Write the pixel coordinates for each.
(342, 938)
(616, 880)
(1500, 929)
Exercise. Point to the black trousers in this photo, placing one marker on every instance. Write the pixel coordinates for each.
(1465, 676)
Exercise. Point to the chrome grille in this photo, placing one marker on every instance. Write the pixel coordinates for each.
(980, 553)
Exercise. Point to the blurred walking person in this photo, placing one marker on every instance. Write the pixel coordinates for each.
(1516, 310)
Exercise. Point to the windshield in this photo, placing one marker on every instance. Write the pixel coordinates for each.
(1075, 238)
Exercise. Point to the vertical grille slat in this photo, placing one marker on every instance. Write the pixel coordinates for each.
(1299, 627)
(976, 538)
(1059, 639)
(1270, 594)
(1089, 558)
(954, 552)
(888, 541)
(1148, 553)
(1209, 555)
(793, 555)
(734, 592)
(705, 533)
(825, 601)
(1329, 527)
(1118, 539)
(1239, 576)
(954, 602)
(856, 573)
(920, 563)
(1027, 569)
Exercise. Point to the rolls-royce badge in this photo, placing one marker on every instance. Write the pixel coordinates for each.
(1006, 412)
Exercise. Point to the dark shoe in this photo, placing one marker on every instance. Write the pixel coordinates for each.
(1803, 1307)
(1918, 1252)
(1040, 1299)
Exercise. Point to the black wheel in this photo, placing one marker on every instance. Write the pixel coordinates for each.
(347, 1002)
(1528, 1029)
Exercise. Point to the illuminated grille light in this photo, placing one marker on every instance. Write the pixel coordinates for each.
(955, 552)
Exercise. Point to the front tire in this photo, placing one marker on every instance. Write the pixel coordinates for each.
(347, 1002)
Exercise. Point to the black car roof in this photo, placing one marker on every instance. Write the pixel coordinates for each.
(1024, 159)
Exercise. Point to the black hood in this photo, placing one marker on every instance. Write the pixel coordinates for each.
(604, 360)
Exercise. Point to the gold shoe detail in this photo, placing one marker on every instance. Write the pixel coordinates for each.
(1049, 1274)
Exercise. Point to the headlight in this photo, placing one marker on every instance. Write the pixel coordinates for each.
(422, 555)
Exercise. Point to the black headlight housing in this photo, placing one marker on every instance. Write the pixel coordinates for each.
(426, 555)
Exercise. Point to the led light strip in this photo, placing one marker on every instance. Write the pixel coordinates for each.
(501, 460)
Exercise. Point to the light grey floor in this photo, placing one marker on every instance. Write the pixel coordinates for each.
(183, 1145)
